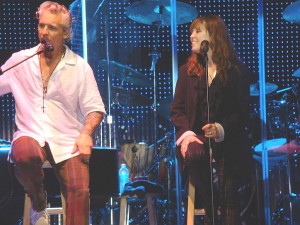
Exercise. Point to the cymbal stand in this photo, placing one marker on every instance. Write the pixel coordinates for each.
(168, 164)
(155, 56)
(109, 116)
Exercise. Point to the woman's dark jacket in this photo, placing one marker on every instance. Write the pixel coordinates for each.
(229, 106)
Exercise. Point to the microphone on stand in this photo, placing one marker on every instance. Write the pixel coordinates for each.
(204, 47)
(46, 48)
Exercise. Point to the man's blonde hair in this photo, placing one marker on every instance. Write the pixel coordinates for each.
(56, 8)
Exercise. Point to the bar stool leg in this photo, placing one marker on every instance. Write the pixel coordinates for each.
(26, 213)
(123, 210)
(191, 204)
(151, 210)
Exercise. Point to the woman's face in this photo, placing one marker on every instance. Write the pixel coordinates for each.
(198, 35)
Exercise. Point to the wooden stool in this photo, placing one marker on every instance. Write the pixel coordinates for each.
(191, 211)
(125, 209)
(50, 211)
(151, 191)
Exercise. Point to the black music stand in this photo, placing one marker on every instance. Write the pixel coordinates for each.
(104, 181)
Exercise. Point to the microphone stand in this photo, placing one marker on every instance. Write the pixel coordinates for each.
(37, 53)
(209, 140)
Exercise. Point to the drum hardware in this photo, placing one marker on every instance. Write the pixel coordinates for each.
(168, 164)
(279, 216)
(123, 97)
(280, 91)
(125, 73)
(282, 117)
(149, 12)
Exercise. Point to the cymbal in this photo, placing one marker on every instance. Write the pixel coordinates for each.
(291, 12)
(122, 96)
(163, 107)
(159, 11)
(296, 73)
(254, 88)
(126, 73)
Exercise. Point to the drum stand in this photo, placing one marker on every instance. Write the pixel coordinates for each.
(168, 163)
(291, 197)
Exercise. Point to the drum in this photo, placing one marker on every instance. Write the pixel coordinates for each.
(281, 116)
(138, 157)
(276, 151)
(277, 171)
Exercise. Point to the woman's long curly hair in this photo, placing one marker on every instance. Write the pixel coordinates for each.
(223, 52)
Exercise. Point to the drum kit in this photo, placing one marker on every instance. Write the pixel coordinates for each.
(283, 140)
(282, 144)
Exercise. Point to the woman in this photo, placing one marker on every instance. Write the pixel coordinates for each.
(210, 111)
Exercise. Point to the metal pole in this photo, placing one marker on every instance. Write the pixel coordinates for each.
(265, 166)
(175, 76)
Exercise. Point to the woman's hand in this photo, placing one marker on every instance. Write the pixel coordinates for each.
(185, 144)
(211, 130)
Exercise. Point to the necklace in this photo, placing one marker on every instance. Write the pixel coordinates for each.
(45, 81)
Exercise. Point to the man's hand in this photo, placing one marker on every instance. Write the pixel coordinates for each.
(83, 145)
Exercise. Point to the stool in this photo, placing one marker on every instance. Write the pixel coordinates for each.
(191, 211)
(51, 211)
(140, 189)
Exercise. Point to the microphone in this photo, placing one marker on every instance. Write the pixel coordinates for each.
(47, 47)
(204, 47)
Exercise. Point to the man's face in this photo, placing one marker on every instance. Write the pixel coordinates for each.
(50, 29)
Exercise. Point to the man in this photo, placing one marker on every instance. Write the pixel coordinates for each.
(58, 106)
